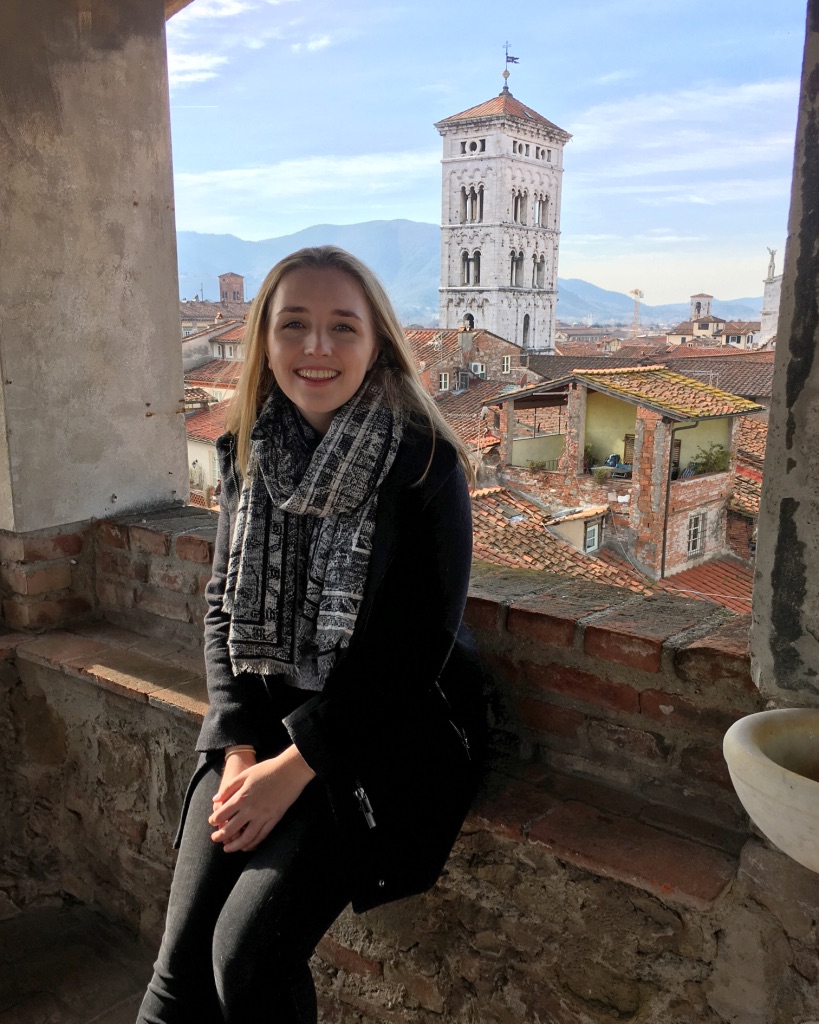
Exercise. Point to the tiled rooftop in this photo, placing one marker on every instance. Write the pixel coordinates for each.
(752, 440)
(214, 372)
(669, 391)
(509, 530)
(557, 366)
(748, 377)
(747, 490)
(504, 105)
(430, 345)
(192, 309)
(208, 424)
(197, 395)
(724, 581)
(235, 334)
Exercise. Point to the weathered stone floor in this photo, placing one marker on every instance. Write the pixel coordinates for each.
(69, 965)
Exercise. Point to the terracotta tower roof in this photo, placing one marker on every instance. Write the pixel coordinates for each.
(500, 106)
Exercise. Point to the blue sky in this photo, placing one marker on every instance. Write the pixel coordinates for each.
(288, 113)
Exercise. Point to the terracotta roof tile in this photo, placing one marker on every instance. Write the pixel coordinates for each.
(747, 491)
(235, 334)
(217, 371)
(208, 424)
(504, 105)
(748, 377)
(662, 388)
(724, 581)
(197, 395)
(509, 530)
(753, 439)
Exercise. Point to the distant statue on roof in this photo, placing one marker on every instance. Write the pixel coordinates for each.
(771, 263)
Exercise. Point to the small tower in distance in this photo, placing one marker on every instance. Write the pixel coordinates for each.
(502, 171)
(231, 288)
(699, 306)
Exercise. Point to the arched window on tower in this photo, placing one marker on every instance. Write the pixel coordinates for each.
(480, 202)
(476, 267)
(525, 330)
(524, 203)
(542, 210)
(469, 321)
(541, 273)
(465, 267)
(513, 259)
(516, 275)
(463, 205)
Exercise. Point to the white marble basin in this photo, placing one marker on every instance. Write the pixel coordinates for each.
(773, 758)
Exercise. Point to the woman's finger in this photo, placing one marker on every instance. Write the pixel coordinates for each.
(250, 838)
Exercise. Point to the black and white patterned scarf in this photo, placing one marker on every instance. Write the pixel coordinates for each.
(303, 534)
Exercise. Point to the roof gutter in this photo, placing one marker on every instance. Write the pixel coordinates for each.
(676, 427)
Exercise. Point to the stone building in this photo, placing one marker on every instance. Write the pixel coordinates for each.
(770, 304)
(500, 220)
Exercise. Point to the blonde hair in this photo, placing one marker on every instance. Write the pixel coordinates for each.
(395, 364)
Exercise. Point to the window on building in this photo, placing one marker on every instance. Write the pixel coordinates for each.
(224, 296)
(527, 149)
(465, 267)
(541, 273)
(591, 537)
(506, 364)
(221, 350)
(214, 468)
(628, 449)
(476, 267)
(526, 323)
(696, 534)
(463, 147)
(443, 382)
(463, 381)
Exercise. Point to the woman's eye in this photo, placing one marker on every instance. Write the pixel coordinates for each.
(292, 323)
(345, 327)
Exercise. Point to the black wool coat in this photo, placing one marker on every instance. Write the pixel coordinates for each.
(386, 735)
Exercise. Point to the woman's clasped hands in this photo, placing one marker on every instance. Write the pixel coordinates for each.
(254, 796)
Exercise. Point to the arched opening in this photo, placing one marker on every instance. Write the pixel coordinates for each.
(541, 272)
(469, 321)
(464, 267)
(476, 267)
(525, 330)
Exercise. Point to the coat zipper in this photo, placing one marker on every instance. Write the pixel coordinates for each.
(364, 804)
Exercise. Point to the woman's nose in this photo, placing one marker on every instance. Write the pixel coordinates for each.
(318, 343)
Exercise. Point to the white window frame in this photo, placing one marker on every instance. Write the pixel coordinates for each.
(443, 382)
(591, 536)
(507, 364)
(696, 534)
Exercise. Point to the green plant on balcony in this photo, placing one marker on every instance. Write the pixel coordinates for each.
(600, 474)
(537, 465)
(713, 459)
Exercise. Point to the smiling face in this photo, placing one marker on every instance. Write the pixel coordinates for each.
(321, 341)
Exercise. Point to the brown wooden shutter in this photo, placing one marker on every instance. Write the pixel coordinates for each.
(628, 449)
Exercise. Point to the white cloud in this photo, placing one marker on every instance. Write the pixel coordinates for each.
(184, 68)
(613, 76)
(313, 44)
(705, 109)
(272, 200)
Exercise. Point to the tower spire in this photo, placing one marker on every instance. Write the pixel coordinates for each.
(509, 60)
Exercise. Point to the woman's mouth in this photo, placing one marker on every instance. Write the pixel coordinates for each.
(308, 374)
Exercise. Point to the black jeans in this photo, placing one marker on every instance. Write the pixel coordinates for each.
(242, 926)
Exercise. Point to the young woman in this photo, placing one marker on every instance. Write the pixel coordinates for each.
(334, 769)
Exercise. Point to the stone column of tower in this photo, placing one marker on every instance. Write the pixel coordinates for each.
(500, 222)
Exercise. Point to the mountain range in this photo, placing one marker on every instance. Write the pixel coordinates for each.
(406, 255)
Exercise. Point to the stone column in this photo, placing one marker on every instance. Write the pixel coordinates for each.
(785, 630)
(91, 411)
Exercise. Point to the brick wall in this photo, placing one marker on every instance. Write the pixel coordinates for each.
(740, 536)
(606, 872)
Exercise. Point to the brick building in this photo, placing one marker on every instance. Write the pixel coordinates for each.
(656, 425)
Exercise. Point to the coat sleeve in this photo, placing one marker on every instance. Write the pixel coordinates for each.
(402, 647)
(231, 717)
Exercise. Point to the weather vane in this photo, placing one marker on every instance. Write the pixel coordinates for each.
(509, 60)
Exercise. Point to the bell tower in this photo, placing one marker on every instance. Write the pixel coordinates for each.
(500, 221)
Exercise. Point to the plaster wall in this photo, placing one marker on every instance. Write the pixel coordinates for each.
(537, 449)
(91, 383)
(784, 643)
(607, 421)
(705, 433)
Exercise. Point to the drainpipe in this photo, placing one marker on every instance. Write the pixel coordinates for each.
(679, 426)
